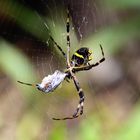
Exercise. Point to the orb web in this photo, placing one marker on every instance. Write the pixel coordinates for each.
(44, 56)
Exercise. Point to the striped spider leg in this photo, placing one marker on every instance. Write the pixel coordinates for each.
(72, 75)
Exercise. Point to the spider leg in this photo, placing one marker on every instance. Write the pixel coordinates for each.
(77, 85)
(84, 68)
(68, 38)
(81, 102)
(80, 91)
(45, 24)
(28, 84)
(66, 118)
(60, 49)
(81, 95)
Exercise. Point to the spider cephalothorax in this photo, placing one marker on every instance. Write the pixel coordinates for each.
(81, 57)
(79, 62)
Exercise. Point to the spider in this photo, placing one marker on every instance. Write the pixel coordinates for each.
(78, 62)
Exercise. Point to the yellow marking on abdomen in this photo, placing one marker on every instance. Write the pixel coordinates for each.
(79, 55)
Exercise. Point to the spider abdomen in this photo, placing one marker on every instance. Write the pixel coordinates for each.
(81, 57)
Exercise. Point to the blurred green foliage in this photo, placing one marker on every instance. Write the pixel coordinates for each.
(24, 17)
(16, 66)
(122, 4)
(13, 62)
